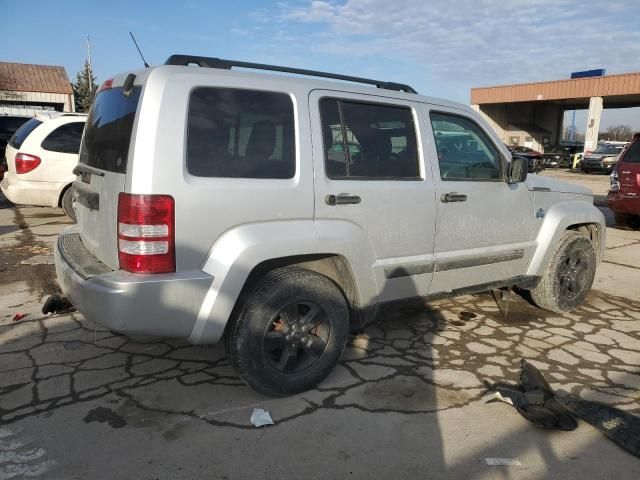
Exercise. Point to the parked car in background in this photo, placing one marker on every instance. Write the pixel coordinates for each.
(559, 156)
(534, 158)
(602, 159)
(8, 126)
(41, 156)
(214, 204)
(624, 196)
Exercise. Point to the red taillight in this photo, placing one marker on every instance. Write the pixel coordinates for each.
(146, 237)
(26, 163)
(106, 85)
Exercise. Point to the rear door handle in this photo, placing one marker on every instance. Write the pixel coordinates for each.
(342, 199)
(453, 197)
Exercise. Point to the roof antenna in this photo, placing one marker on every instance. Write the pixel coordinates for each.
(146, 65)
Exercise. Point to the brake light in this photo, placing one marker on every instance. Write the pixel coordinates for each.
(146, 236)
(106, 85)
(25, 163)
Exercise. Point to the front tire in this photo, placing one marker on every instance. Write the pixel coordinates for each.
(569, 275)
(289, 333)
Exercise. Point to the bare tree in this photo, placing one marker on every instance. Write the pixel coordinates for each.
(622, 133)
(577, 136)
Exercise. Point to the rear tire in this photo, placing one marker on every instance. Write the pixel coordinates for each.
(289, 333)
(569, 275)
(634, 222)
(67, 204)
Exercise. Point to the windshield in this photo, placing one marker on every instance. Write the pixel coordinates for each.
(608, 149)
(108, 132)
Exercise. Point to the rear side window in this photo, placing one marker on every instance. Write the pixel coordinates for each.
(464, 150)
(23, 132)
(64, 139)
(240, 134)
(368, 141)
(108, 130)
(632, 155)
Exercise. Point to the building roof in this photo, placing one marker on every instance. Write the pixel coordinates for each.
(609, 86)
(22, 77)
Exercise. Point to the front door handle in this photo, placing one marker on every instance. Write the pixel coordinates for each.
(453, 197)
(342, 199)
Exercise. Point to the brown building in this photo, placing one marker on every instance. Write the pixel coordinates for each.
(531, 114)
(26, 88)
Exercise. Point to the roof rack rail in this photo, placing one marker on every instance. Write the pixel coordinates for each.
(209, 62)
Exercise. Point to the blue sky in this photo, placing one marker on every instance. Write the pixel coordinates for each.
(440, 48)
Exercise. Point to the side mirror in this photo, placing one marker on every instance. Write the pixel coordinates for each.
(518, 169)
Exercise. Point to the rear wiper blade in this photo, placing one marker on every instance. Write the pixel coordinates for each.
(86, 169)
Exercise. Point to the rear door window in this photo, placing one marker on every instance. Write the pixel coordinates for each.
(368, 141)
(23, 132)
(240, 134)
(632, 155)
(65, 139)
(108, 130)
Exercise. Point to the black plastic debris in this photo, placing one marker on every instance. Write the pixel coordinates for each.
(536, 401)
(56, 304)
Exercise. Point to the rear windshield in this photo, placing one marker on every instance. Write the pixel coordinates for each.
(632, 155)
(108, 131)
(8, 125)
(23, 132)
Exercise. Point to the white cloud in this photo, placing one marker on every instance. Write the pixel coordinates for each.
(475, 42)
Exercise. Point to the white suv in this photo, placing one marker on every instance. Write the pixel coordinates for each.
(278, 212)
(41, 157)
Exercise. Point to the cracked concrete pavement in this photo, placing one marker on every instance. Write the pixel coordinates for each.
(407, 400)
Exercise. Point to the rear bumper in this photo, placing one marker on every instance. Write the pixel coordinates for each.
(620, 203)
(165, 305)
(24, 192)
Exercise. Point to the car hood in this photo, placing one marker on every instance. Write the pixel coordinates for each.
(537, 182)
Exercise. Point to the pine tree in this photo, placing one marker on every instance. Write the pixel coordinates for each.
(84, 89)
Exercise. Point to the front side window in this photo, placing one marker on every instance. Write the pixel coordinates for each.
(368, 141)
(64, 139)
(240, 134)
(464, 150)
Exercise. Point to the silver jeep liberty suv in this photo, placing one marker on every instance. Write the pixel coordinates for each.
(279, 211)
